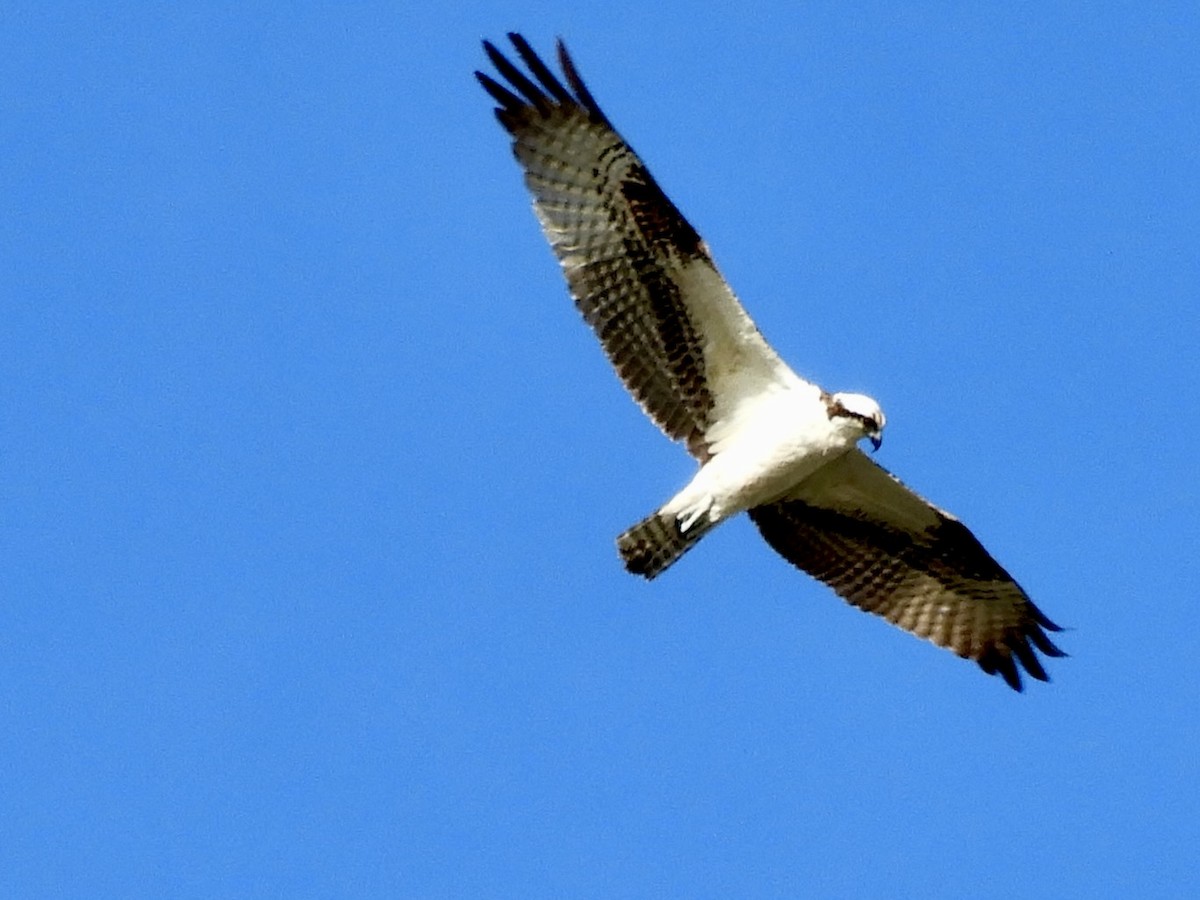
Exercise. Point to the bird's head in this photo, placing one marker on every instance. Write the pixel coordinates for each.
(859, 412)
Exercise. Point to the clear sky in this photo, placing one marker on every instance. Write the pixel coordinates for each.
(310, 473)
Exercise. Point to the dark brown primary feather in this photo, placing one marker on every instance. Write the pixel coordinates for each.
(937, 582)
(622, 243)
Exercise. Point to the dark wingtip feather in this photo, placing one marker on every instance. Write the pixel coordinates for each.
(577, 85)
(514, 76)
(1015, 653)
(502, 95)
(1044, 644)
(1042, 619)
(540, 70)
(996, 662)
(1028, 659)
(1011, 674)
(548, 92)
(490, 49)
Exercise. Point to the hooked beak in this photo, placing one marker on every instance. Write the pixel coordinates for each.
(876, 442)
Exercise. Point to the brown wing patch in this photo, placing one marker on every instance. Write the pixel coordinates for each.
(621, 242)
(658, 220)
(940, 584)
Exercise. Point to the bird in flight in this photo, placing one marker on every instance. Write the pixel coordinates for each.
(769, 443)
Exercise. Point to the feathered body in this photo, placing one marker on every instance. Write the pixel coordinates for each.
(768, 442)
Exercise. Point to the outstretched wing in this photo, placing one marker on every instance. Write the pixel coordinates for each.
(640, 274)
(888, 551)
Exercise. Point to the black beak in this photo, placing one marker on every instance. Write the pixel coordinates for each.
(876, 441)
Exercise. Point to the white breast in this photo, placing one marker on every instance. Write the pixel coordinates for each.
(768, 445)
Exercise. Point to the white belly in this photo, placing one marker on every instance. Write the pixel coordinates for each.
(768, 450)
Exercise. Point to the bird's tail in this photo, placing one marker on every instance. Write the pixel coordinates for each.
(654, 543)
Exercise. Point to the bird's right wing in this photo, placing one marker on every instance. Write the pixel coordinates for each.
(640, 274)
(890, 552)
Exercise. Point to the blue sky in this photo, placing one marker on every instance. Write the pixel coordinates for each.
(310, 474)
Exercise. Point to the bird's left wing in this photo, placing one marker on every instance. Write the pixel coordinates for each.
(640, 274)
(890, 552)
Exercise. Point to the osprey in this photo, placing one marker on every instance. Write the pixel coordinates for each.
(768, 442)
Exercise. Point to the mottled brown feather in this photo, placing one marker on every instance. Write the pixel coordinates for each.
(621, 242)
(937, 582)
